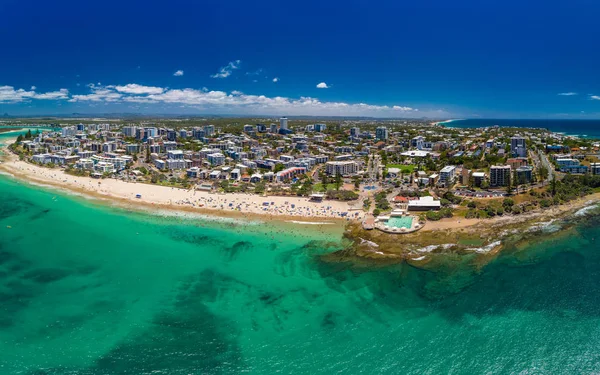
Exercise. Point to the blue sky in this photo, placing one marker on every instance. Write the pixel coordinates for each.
(499, 59)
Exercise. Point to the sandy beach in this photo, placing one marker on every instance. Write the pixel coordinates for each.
(154, 197)
(299, 208)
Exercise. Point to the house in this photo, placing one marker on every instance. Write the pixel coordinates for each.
(524, 175)
(193, 172)
(216, 158)
(42, 158)
(571, 166)
(478, 178)
(289, 173)
(204, 174)
(517, 162)
(235, 174)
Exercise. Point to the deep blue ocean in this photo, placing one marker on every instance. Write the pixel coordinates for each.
(581, 128)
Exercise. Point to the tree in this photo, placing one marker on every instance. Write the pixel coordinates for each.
(338, 181)
(543, 172)
(553, 186)
(147, 153)
(516, 180)
(323, 178)
(509, 185)
(19, 138)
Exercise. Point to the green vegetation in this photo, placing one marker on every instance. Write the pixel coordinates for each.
(323, 188)
(342, 195)
(381, 201)
(404, 168)
(438, 215)
(572, 187)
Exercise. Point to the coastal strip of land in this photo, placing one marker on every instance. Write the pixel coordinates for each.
(156, 196)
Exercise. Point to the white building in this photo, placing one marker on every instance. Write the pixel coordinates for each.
(104, 167)
(129, 131)
(42, 158)
(424, 204)
(343, 168)
(176, 164)
(283, 123)
(235, 174)
(175, 154)
(209, 130)
(193, 172)
(478, 178)
(85, 164)
(447, 175)
(216, 158)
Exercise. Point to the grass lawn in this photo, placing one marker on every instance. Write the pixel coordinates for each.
(320, 188)
(410, 167)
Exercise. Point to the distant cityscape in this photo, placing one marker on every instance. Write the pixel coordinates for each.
(401, 165)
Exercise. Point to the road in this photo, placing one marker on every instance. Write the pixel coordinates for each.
(374, 166)
(546, 163)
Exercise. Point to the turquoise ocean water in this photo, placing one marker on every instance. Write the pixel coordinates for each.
(90, 289)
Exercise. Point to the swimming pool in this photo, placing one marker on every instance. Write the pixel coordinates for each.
(400, 222)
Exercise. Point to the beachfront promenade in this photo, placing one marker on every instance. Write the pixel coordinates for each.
(300, 207)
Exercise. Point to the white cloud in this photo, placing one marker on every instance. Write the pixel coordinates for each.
(204, 100)
(53, 95)
(567, 93)
(33, 88)
(134, 88)
(401, 108)
(275, 79)
(322, 85)
(238, 102)
(99, 94)
(178, 73)
(226, 71)
(8, 94)
(594, 97)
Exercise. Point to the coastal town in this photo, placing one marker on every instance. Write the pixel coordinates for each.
(395, 176)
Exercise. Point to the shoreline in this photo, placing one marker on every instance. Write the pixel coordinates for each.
(483, 239)
(305, 214)
(156, 197)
